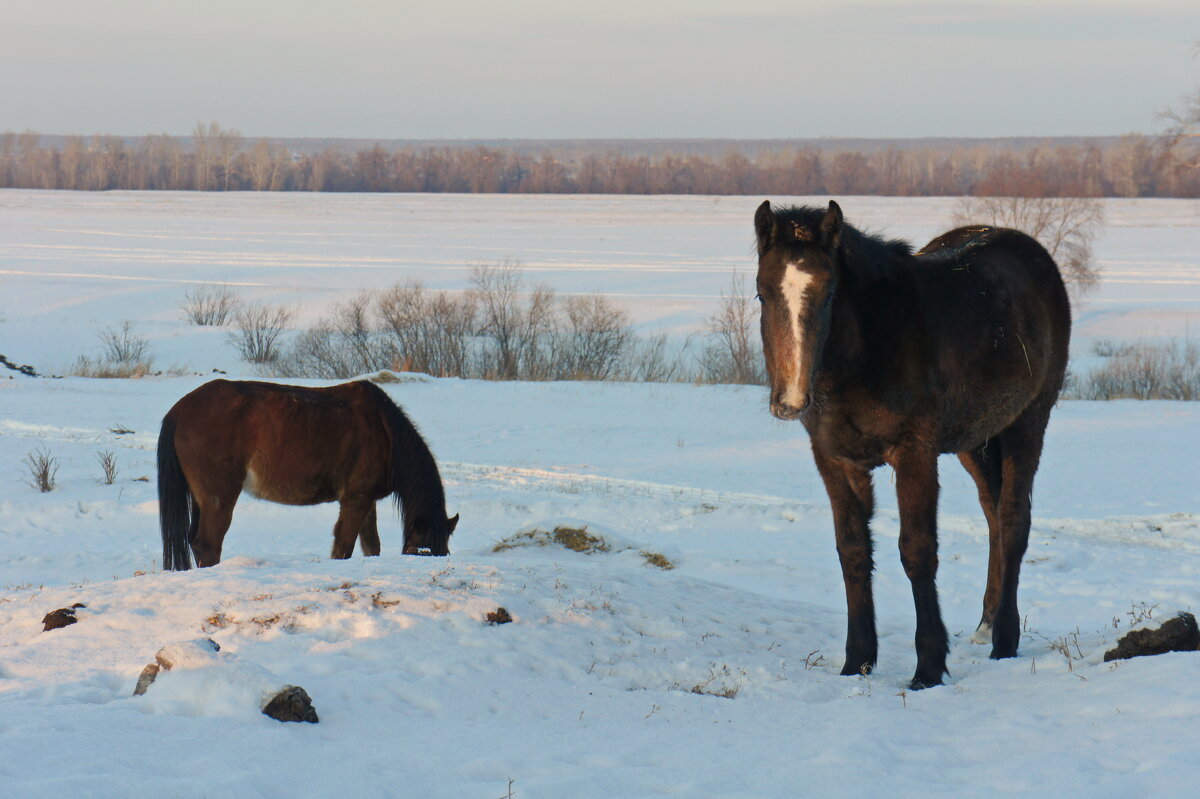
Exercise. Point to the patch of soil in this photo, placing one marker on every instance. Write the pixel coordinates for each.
(498, 616)
(1179, 634)
(62, 617)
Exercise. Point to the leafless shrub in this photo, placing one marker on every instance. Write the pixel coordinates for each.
(733, 353)
(258, 330)
(430, 332)
(41, 470)
(516, 322)
(125, 354)
(1144, 370)
(656, 360)
(108, 464)
(501, 329)
(595, 341)
(1107, 348)
(209, 305)
(342, 345)
(1065, 226)
(123, 346)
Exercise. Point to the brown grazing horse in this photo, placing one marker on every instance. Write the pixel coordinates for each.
(890, 357)
(298, 446)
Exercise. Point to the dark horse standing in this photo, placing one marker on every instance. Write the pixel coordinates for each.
(890, 357)
(299, 446)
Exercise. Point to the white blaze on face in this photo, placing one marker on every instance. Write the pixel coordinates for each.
(795, 287)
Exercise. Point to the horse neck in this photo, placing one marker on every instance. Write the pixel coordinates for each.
(415, 482)
(869, 317)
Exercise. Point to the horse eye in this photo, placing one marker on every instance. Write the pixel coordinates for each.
(759, 297)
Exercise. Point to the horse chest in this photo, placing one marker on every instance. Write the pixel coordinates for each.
(866, 438)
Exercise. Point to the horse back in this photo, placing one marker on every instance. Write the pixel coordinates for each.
(290, 444)
(998, 322)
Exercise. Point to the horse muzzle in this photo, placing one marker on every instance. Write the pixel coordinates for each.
(424, 551)
(789, 412)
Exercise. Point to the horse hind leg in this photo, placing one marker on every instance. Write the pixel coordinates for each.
(211, 516)
(351, 518)
(1021, 451)
(368, 534)
(984, 466)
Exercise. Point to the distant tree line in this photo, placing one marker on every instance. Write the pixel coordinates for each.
(219, 159)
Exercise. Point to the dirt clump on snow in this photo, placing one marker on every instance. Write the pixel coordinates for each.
(61, 617)
(498, 616)
(1179, 634)
(291, 704)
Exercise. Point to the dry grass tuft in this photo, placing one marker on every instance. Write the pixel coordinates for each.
(42, 468)
(657, 559)
(576, 539)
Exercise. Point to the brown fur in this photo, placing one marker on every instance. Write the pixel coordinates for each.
(960, 348)
(297, 446)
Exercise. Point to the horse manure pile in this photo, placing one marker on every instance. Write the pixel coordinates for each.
(576, 539)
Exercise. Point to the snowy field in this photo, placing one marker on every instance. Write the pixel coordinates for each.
(718, 678)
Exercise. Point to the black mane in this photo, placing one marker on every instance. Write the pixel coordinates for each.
(413, 477)
(868, 257)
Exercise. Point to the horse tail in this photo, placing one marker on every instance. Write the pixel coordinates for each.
(175, 502)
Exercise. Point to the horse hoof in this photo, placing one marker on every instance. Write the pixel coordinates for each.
(920, 684)
(861, 671)
(982, 634)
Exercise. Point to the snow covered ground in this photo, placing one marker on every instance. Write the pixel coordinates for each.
(717, 678)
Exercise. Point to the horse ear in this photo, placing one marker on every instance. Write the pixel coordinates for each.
(764, 226)
(831, 225)
(451, 524)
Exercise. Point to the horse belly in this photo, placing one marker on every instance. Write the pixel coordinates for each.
(292, 489)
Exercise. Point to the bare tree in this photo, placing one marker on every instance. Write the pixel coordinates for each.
(123, 346)
(209, 305)
(1065, 226)
(261, 165)
(1181, 133)
(595, 341)
(258, 330)
(518, 331)
(228, 145)
(203, 139)
(734, 350)
(430, 333)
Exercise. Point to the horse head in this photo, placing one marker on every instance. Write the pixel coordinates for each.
(798, 256)
(424, 536)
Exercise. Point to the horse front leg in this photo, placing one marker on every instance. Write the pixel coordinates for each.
(354, 512)
(368, 536)
(852, 499)
(983, 464)
(212, 514)
(917, 495)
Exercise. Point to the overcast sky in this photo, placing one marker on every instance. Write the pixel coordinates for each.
(602, 69)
